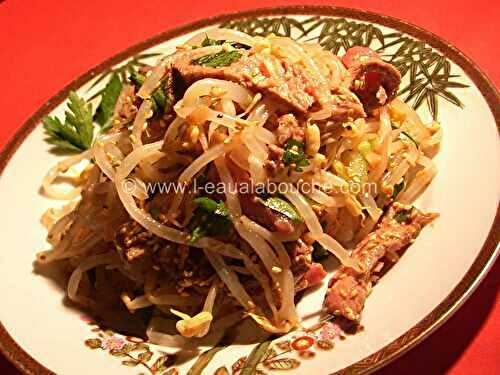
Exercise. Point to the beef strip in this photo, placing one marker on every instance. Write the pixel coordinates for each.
(292, 89)
(374, 81)
(348, 288)
(289, 87)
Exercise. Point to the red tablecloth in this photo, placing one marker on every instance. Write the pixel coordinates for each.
(46, 44)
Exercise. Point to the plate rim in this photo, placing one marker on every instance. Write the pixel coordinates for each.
(460, 293)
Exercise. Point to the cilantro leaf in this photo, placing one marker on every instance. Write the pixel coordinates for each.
(136, 78)
(211, 218)
(207, 42)
(294, 154)
(283, 207)
(77, 131)
(319, 252)
(109, 96)
(212, 206)
(216, 60)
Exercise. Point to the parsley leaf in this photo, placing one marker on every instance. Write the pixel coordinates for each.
(294, 154)
(77, 131)
(211, 218)
(207, 42)
(283, 207)
(216, 60)
(398, 188)
(109, 96)
(161, 102)
(319, 252)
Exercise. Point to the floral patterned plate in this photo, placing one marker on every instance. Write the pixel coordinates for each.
(41, 335)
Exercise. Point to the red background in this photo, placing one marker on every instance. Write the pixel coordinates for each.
(44, 45)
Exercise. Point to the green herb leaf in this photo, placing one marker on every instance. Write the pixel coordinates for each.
(216, 60)
(161, 102)
(398, 188)
(207, 42)
(211, 218)
(319, 252)
(197, 233)
(109, 96)
(210, 205)
(77, 131)
(294, 154)
(402, 216)
(136, 78)
(283, 207)
(155, 213)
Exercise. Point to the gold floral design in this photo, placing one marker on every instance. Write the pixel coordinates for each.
(133, 351)
(271, 355)
(287, 354)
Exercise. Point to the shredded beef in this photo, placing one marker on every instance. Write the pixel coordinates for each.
(348, 288)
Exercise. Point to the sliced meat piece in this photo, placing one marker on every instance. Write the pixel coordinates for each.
(374, 81)
(348, 289)
(263, 73)
(286, 82)
(315, 274)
